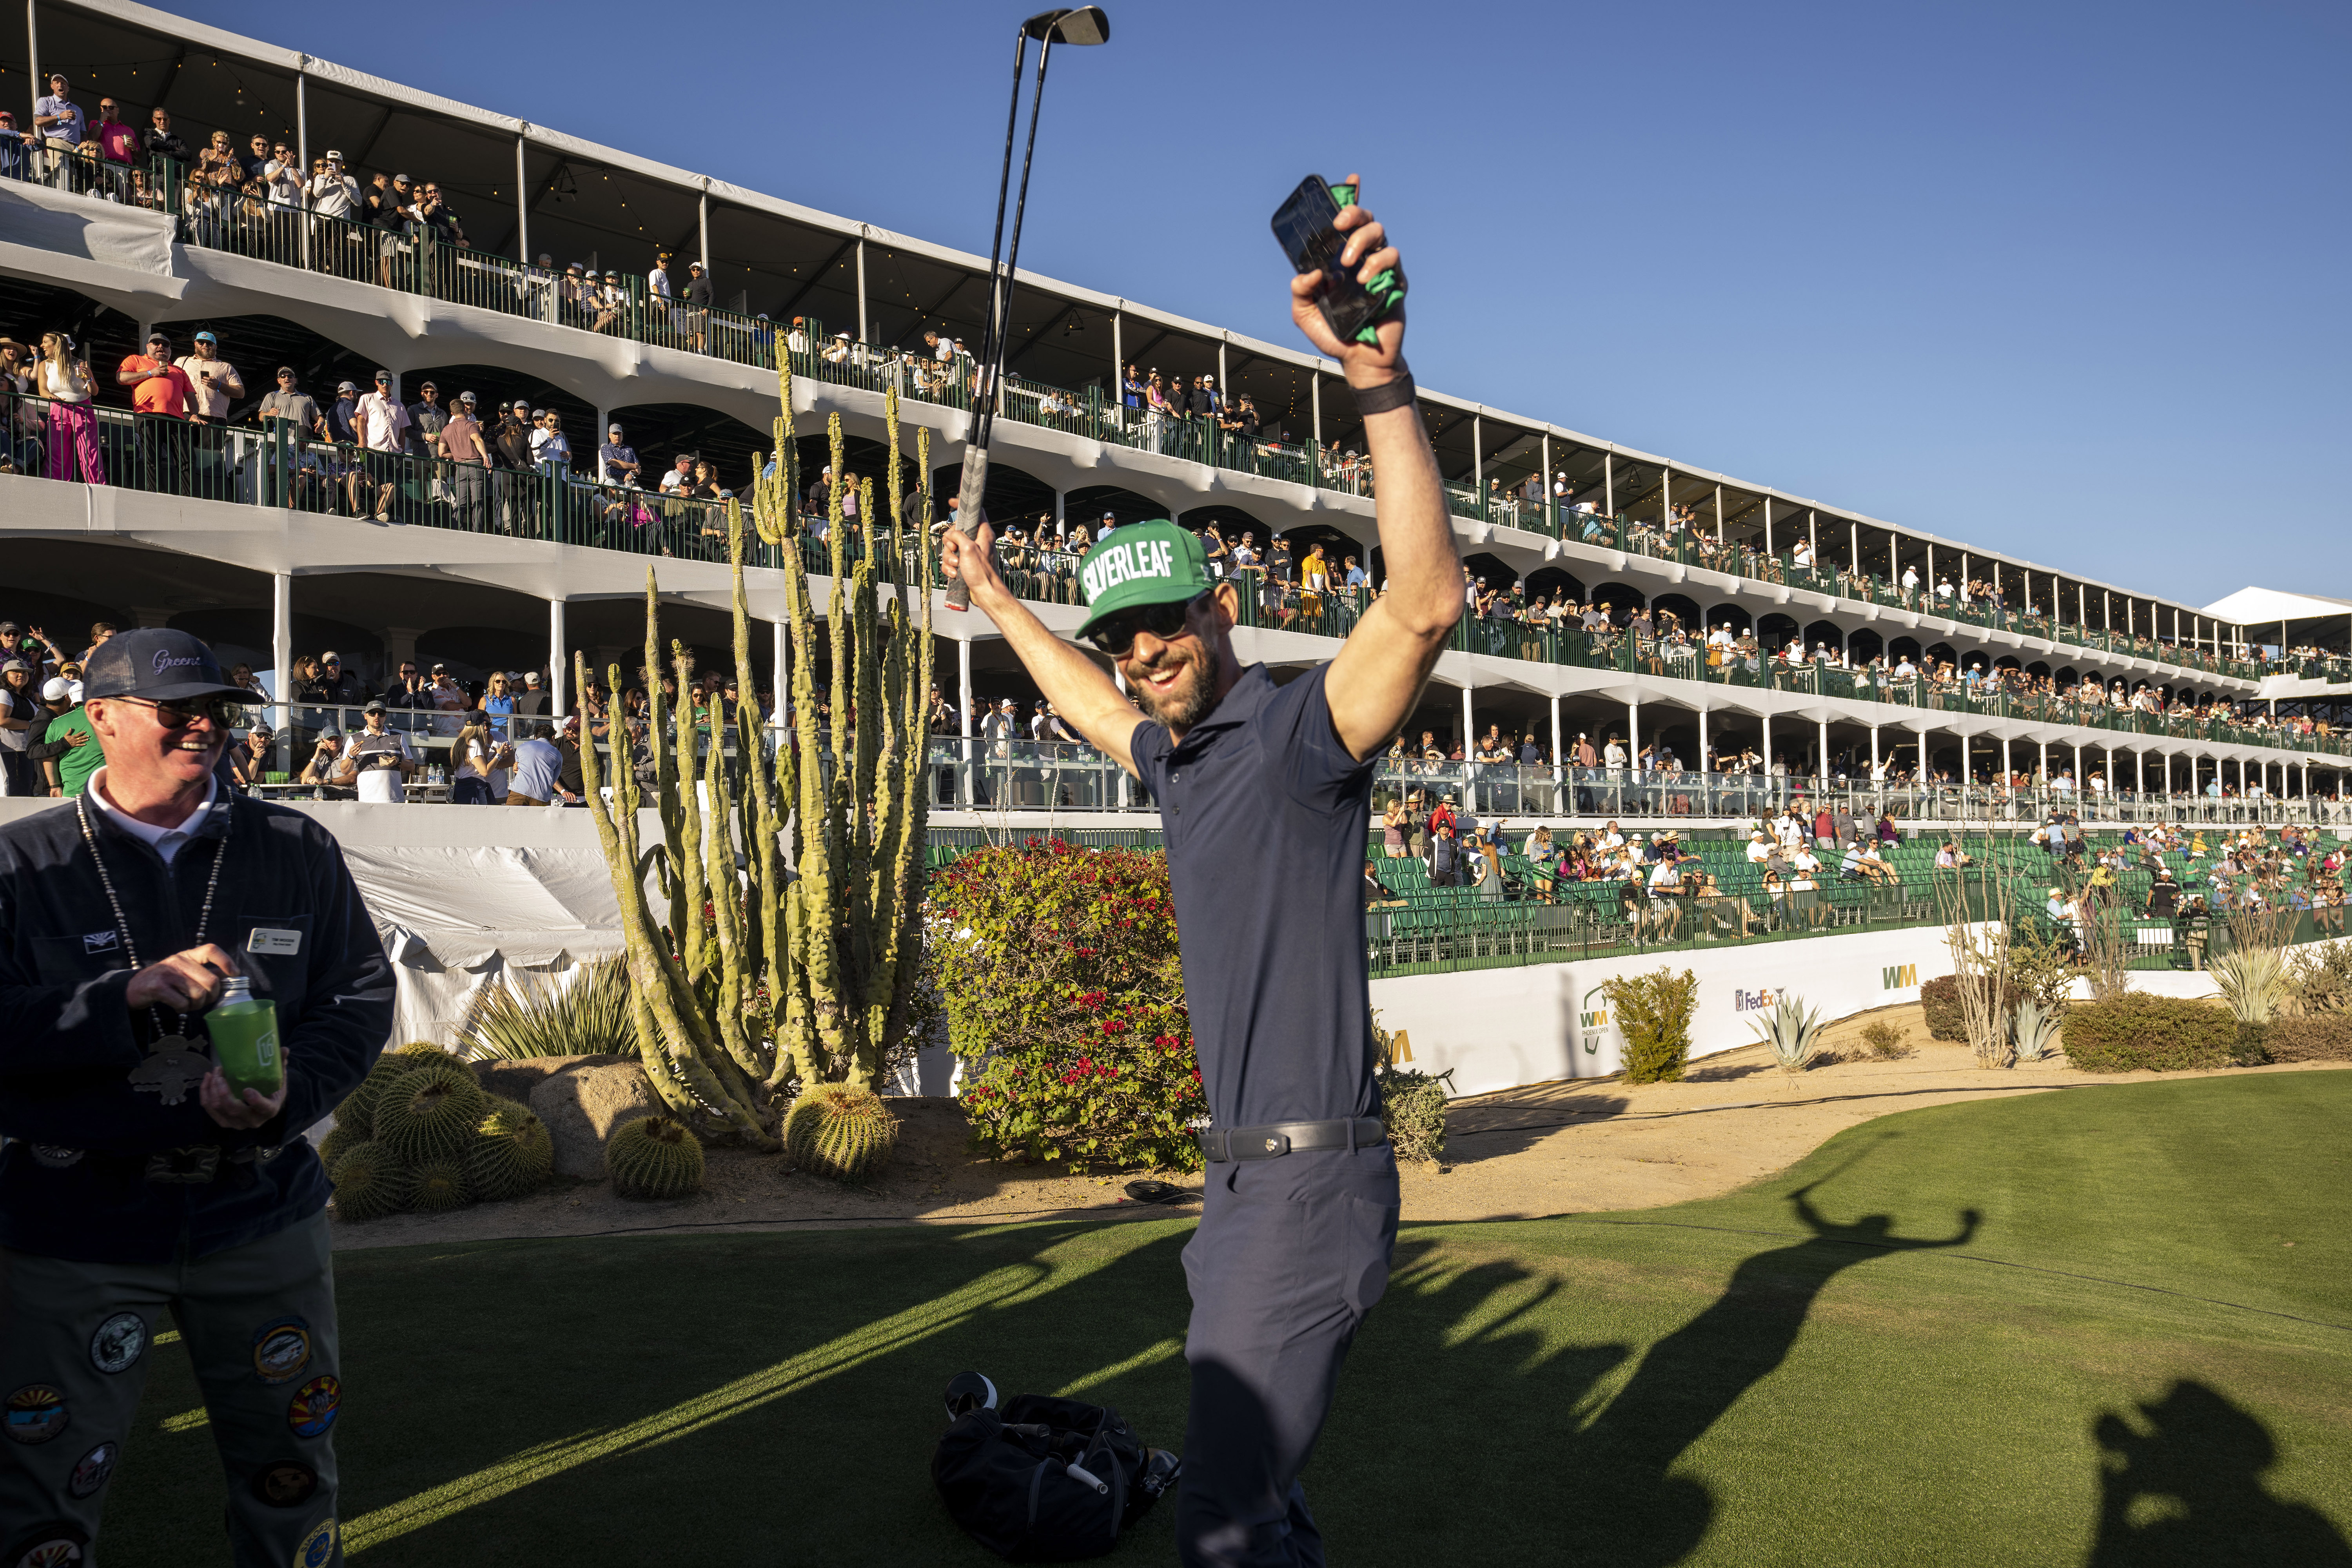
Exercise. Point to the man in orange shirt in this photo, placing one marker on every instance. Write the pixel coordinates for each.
(160, 391)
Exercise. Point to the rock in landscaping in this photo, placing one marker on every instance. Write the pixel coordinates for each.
(514, 1079)
(584, 1106)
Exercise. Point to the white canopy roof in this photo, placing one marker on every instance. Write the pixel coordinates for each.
(2259, 606)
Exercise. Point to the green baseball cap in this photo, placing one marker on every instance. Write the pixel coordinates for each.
(1154, 562)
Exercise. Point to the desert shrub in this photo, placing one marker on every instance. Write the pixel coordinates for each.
(1122, 1091)
(2135, 1032)
(1413, 1108)
(2039, 963)
(1886, 1041)
(1940, 999)
(2319, 978)
(1653, 1013)
(1065, 1002)
(2323, 1038)
(526, 1014)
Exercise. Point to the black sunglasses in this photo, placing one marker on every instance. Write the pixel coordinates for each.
(179, 714)
(1117, 636)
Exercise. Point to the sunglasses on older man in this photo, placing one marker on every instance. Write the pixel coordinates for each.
(179, 713)
(1117, 636)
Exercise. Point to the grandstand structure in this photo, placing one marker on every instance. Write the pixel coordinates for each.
(1833, 651)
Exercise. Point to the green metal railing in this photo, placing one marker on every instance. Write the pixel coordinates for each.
(418, 259)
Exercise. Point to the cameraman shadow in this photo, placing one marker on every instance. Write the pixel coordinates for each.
(1629, 1507)
(2190, 1491)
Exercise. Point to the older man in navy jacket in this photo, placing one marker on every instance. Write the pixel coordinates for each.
(135, 1182)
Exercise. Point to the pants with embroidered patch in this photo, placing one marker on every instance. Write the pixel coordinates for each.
(1290, 1255)
(258, 1323)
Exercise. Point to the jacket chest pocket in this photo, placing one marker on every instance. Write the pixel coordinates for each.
(275, 951)
(78, 960)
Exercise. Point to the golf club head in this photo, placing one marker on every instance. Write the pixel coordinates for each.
(968, 1392)
(1082, 25)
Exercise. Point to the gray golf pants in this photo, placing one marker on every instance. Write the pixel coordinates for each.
(1290, 1255)
(259, 1321)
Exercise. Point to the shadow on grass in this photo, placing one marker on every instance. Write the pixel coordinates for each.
(2190, 1490)
(776, 1398)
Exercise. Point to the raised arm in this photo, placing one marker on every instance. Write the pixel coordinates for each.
(1376, 680)
(1074, 684)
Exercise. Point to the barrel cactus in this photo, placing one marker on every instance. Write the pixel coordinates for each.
(370, 1182)
(654, 1157)
(440, 1186)
(430, 1114)
(339, 1142)
(512, 1152)
(839, 1130)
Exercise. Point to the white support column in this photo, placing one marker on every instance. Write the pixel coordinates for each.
(702, 232)
(1813, 536)
(2139, 771)
(302, 143)
(1469, 726)
(1874, 749)
(1821, 758)
(1634, 733)
(33, 56)
(1964, 759)
(281, 642)
(1701, 743)
(1768, 525)
(778, 680)
(1764, 745)
(2044, 767)
(2007, 772)
(963, 716)
(1556, 758)
(1315, 394)
(1119, 365)
(1718, 516)
(1608, 483)
(862, 335)
(1854, 547)
(1546, 504)
(1477, 448)
(522, 207)
(1225, 381)
(1666, 494)
(558, 660)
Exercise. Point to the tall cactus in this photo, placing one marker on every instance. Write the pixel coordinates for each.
(798, 968)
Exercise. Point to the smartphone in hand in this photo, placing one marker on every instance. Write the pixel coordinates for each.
(1305, 225)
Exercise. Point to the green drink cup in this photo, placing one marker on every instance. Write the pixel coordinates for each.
(245, 1040)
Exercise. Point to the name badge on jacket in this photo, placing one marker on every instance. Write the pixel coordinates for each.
(272, 940)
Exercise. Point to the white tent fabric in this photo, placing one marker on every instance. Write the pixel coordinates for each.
(454, 918)
(35, 218)
(2257, 606)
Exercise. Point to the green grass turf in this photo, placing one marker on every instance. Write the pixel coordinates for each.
(1773, 1376)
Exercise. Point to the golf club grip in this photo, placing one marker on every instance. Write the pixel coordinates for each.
(972, 486)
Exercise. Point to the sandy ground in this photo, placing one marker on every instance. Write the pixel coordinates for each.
(1545, 1149)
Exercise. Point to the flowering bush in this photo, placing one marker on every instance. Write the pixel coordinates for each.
(1122, 1091)
(1065, 1002)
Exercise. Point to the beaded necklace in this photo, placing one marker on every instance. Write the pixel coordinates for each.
(175, 1062)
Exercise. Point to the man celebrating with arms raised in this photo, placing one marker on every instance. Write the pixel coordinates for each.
(1265, 796)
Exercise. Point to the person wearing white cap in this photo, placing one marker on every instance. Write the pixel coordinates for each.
(62, 750)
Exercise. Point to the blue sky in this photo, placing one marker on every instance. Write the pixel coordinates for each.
(2065, 280)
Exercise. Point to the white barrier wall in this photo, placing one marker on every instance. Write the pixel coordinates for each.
(1499, 1028)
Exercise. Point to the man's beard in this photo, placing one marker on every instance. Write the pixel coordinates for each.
(1187, 701)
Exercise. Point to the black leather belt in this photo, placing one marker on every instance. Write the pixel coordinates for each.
(1278, 1139)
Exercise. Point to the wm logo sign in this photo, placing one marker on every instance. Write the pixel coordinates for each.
(1901, 977)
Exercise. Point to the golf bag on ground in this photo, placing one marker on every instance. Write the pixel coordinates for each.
(1046, 1479)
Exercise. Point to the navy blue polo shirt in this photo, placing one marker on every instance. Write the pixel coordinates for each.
(1266, 816)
